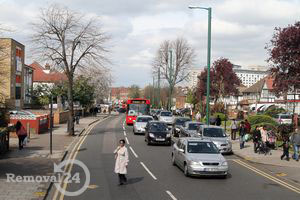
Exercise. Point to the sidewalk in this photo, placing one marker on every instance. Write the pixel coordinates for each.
(274, 159)
(34, 160)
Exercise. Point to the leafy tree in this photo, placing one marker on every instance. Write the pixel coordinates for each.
(284, 50)
(134, 91)
(223, 80)
(83, 91)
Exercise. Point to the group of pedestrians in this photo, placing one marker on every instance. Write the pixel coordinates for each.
(294, 140)
(243, 129)
(261, 140)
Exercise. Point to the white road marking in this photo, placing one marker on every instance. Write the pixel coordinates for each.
(127, 140)
(133, 152)
(171, 195)
(124, 133)
(148, 171)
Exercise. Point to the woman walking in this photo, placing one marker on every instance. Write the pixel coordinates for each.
(21, 133)
(121, 156)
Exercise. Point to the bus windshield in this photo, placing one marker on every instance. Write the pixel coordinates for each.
(138, 109)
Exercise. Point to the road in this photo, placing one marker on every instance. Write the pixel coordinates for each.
(152, 176)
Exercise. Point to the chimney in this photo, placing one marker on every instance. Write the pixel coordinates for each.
(47, 66)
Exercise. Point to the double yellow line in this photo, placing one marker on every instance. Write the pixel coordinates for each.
(272, 178)
(69, 165)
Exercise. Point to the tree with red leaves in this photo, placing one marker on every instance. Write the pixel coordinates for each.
(223, 80)
(284, 51)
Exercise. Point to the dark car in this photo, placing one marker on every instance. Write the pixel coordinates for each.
(178, 123)
(157, 133)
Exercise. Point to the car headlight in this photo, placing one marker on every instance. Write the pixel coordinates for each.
(194, 163)
(168, 135)
(151, 135)
(224, 163)
(177, 129)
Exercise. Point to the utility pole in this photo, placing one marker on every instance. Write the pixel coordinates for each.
(170, 79)
(158, 86)
(51, 122)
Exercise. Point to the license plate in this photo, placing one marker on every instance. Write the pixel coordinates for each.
(210, 169)
(160, 139)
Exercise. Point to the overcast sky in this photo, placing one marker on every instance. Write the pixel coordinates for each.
(240, 29)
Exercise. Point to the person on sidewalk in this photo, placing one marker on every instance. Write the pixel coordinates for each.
(295, 140)
(21, 133)
(256, 138)
(286, 148)
(121, 156)
(242, 132)
(247, 126)
(233, 128)
(264, 138)
(218, 121)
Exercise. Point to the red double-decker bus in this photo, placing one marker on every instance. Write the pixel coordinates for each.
(135, 107)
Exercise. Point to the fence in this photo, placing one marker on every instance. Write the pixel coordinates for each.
(4, 141)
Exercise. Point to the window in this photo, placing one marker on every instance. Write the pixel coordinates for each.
(18, 92)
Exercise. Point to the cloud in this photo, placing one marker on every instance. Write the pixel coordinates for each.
(240, 29)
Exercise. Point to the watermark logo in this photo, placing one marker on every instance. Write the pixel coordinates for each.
(60, 178)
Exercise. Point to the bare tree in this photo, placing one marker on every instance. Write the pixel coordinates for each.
(69, 40)
(3, 70)
(101, 79)
(184, 59)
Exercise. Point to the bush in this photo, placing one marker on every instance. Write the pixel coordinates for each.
(260, 119)
(222, 116)
(272, 111)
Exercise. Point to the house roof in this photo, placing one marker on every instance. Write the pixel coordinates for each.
(258, 86)
(115, 91)
(41, 76)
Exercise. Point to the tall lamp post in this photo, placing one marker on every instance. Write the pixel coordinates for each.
(208, 60)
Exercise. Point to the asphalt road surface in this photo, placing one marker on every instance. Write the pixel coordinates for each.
(151, 175)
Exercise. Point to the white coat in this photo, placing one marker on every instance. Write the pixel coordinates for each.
(121, 156)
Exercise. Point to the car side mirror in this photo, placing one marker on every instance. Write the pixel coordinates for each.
(181, 150)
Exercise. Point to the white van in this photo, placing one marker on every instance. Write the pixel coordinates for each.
(284, 118)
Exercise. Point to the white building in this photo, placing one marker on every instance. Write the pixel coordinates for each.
(193, 77)
(250, 75)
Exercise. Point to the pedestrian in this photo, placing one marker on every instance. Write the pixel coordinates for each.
(256, 138)
(233, 128)
(96, 111)
(121, 156)
(21, 133)
(295, 140)
(218, 121)
(286, 147)
(198, 117)
(242, 135)
(77, 117)
(264, 138)
(247, 126)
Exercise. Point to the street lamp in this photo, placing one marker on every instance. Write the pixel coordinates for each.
(208, 60)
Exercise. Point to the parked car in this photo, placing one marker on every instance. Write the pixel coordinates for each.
(218, 136)
(140, 123)
(178, 123)
(166, 116)
(157, 133)
(190, 129)
(199, 157)
(284, 118)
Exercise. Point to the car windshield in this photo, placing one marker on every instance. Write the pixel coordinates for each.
(285, 116)
(202, 147)
(214, 132)
(193, 126)
(166, 114)
(143, 119)
(157, 127)
(181, 121)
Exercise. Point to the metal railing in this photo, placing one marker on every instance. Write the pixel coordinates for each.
(4, 141)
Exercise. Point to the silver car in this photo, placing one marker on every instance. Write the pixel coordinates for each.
(197, 156)
(218, 136)
(190, 129)
(140, 123)
(166, 116)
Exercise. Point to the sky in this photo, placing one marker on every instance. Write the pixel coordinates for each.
(240, 29)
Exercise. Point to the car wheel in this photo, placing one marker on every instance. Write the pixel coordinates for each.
(186, 171)
(173, 160)
(148, 142)
(224, 176)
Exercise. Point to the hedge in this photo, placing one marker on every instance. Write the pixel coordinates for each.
(260, 119)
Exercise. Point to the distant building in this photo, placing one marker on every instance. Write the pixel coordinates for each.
(250, 75)
(193, 77)
(119, 93)
(12, 72)
(28, 84)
